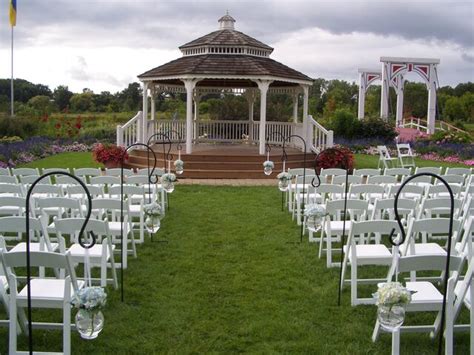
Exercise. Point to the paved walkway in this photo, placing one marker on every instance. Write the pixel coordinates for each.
(229, 182)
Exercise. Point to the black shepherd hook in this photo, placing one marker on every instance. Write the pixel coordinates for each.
(448, 251)
(150, 175)
(166, 155)
(346, 167)
(284, 157)
(28, 262)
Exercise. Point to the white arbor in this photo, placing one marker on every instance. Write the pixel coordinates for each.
(366, 78)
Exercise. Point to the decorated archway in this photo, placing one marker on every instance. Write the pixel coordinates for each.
(393, 71)
(366, 78)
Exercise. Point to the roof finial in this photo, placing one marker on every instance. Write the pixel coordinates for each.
(226, 22)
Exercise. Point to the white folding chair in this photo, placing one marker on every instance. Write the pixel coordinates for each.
(440, 191)
(351, 179)
(25, 171)
(362, 253)
(326, 175)
(7, 179)
(409, 191)
(86, 173)
(405, 155)
(100, 255)
(426, 297)
(400, 173)
(333, 224)
(366, 172)
(5, 172)
(437, 207)
(117, 172)
(385, 160)
(45, 292)
(12, 205)
(12, 190)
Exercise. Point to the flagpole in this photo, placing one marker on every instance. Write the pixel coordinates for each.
(12, 110)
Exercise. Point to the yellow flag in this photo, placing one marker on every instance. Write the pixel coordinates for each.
(12, 13)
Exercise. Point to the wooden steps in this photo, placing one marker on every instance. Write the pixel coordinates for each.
(224, 161)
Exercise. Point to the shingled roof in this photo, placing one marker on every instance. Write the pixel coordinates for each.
(226, 37)
(224, 65)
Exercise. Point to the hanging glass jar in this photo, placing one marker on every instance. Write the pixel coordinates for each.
(391, 299)
(167, 181)
(314, 214)
(268, 167)
(89, 319)
(153, 214)
(284, 179)
(179, 166)
(89, 323)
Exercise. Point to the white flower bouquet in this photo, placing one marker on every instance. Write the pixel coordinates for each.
(391, 299)
(284, 176)
(268, 164)
(153, 210)
(314, 214)
(169, 177)
(178, 163)
(91, 298)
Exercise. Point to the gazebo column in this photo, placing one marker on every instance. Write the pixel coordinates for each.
(263, 86)
(250, 96)
(189, 84)
(197, 99)
(295, 107)
(307, 135)
(142, 128)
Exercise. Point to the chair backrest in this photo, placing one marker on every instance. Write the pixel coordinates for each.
(105, 180)
(383, 152)
(67, 180)
(144, 171)
(458, 171)
(86, 173)
(51, 190)
(408, 190)
(357, 207)
(50, 170)
(117, 172)
(330, 190)
(398, 172)
(14, 189)
(94, 190)
(128, 190)
(441, 190)
(367, 172)
(383, 227)
(351, 179)
(453, 179)
(64, 203)
(13, 201)
(404, 150)
(427, 262)
(432, 226)
(25, 171)
(439, 206)
(72, 226)
(45, 259)
(110, 204)
(17, 224)
(428, 169)
(332, 172)
(138, 179)
(382, 179)
(7, 179)
(368, 189)
(30, 179)
(5, 172)
(405, 207)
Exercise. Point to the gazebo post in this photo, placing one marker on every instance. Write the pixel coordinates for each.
(189, 84)
(295, 107)
(142, 135)
(197, 99)
(306, 134)
(263, 85)
(250, 96)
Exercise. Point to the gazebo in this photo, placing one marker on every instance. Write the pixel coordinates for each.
(223, 61)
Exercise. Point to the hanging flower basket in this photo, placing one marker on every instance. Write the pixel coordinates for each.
(153, 215)
(268, 167)
(284, 179)
(108, 154)
(314, 214)
(179, 166)
(167, 181)
(391, 300)
(89, 319)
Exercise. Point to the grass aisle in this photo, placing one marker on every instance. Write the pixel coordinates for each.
(228, 282)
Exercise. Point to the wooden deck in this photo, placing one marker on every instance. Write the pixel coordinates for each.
(224, 161)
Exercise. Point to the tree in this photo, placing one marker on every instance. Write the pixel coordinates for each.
(415, 100)
(454, 110)
(61, 96)
(131, 97)
(23, 90)
(42, 104)
(467, 102)
(82, 102)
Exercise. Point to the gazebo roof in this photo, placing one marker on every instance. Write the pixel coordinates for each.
(225, 38)
(225, 57)
(217, 66)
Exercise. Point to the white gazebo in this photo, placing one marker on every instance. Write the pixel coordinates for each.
(225, 61)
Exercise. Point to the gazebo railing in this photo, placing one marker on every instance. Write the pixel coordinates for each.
(129, 133)
(318, 138)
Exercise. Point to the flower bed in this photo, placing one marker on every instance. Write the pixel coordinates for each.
(34, 148)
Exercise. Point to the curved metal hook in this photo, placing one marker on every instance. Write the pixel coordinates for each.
(166, 156)
(178, 145)
(28, 261)
(448, 251)
(316, 161)
(268, 148)
(150, 173)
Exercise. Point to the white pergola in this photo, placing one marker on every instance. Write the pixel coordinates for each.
(225, 60)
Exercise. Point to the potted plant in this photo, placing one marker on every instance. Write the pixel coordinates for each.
(284, 179)
(109, 154)
(314, 214)
(167, 180)
(391, 300)
(89, 319)
(153, 215)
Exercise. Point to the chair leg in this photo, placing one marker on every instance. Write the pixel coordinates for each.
(329, 251)
(321, 243)
(67, 328)
(13, 316)
(376, 332)
(353, 283)
(396, 342)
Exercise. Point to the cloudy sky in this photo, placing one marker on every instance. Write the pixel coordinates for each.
(105, 44)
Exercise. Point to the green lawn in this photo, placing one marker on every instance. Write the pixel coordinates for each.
(229, 281)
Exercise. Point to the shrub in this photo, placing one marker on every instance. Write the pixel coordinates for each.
(336, 157)
(344, 124)
(108, 153)
(376, 128)
(18, 126)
